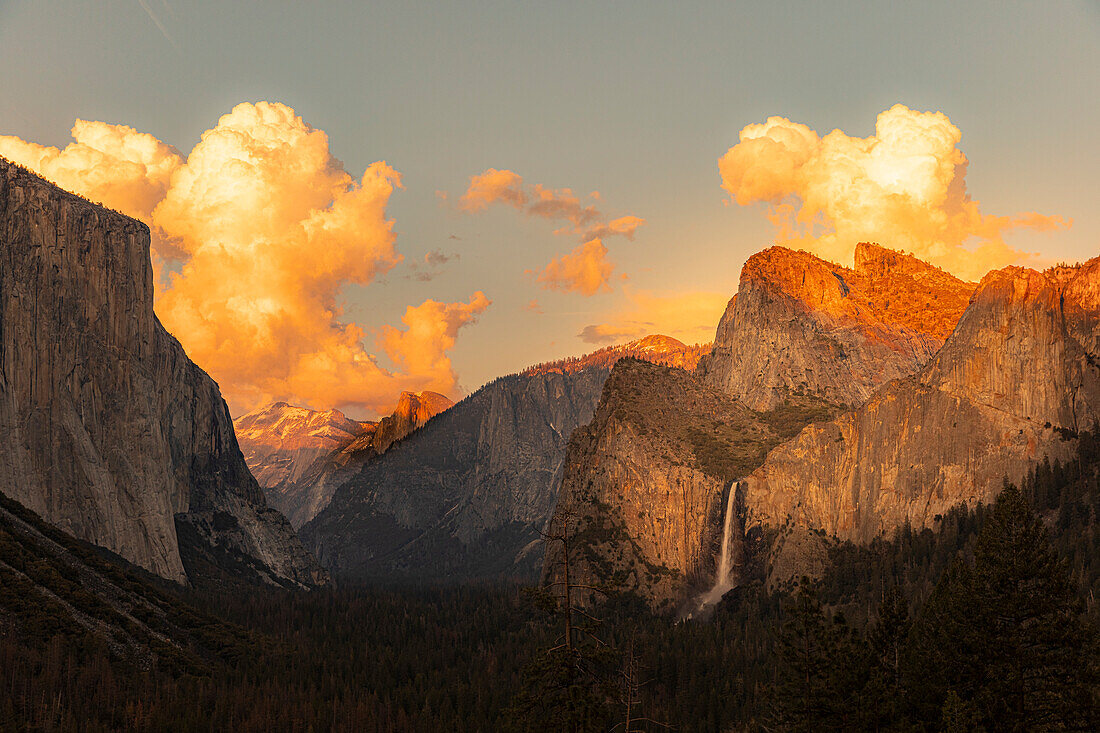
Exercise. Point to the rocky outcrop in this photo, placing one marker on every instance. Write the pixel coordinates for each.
(412, 411)
(107, 430)
(800, 324)
(299, 455)
(466, 495)
(801, 339)
(646, 482)
(1018, 378)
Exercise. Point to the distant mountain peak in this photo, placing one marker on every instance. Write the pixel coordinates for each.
(288, 448)
(657, 348)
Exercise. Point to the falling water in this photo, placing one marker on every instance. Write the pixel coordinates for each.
(723, 580)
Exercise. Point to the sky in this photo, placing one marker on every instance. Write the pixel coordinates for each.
(352, 199)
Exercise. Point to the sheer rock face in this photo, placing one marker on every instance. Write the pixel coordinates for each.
(646, 482)
(1019, 375)
(107, 429)
(466, 495)
(299, 455)
(412, 411)
(801, 324)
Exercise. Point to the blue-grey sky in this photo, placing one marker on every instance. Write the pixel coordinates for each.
(636, 100)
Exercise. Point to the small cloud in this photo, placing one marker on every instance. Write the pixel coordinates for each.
(604, 334)
(533, 307)
(491, 187)
(585, 270)
(455, 237)
(428, 267)
(624, 226)
(554, 204)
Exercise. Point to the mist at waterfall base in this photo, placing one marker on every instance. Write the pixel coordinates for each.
(723, 579)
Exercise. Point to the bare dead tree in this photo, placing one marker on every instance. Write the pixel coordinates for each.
(562, 534)
(631, 684)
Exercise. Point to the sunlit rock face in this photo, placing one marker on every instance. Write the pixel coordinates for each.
(412, 411)
(1016, 380)
(802, 339)
(299, 455)
(466, 495)
(107, 430)
(801, 324)
(646, 482)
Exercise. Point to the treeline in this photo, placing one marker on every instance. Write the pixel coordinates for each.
(1003, 643)
(987, 622)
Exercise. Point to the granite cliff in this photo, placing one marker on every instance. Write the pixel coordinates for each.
(1016, 381)
(800, 341)
(466, 495)
(801, 324)
(107, 429)
(298, 455)
(646, 481)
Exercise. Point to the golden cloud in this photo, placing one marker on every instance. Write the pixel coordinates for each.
(127, 170)
(585, 270)
(903, 187)
(507, 187)
(492, 187)
(264, 227)
(690, 316)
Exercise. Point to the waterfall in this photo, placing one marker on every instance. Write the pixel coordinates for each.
(723, 580)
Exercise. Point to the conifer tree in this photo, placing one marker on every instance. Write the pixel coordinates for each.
(886, 640)
(821, 671)
(1003, 637)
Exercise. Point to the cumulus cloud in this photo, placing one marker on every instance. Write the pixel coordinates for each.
(690, 316)
(430, 332)
(493, 187)
(264, 228)
(904, 187)
(585, 270)
(115, 165)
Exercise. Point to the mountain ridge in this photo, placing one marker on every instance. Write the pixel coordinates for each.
(802, 341)
(297, 454)
(808, 325)
(1014, 384)
(466, 496)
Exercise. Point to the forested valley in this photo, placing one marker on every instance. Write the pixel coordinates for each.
(987, 622)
